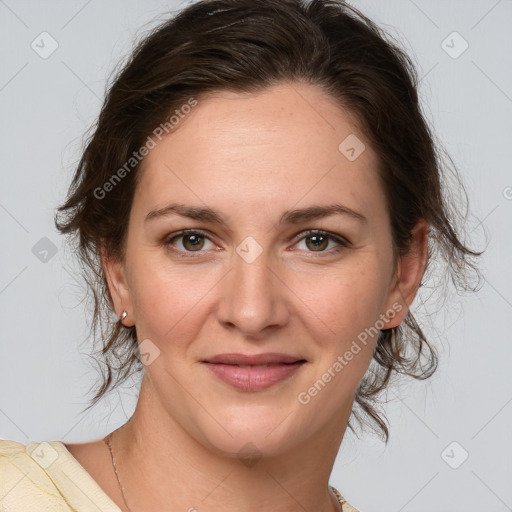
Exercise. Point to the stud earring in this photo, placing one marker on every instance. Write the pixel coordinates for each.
(123, 316)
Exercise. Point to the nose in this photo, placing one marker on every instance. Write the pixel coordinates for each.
(253, 297)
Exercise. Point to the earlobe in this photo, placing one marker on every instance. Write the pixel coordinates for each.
(118, 288)
(410, 271)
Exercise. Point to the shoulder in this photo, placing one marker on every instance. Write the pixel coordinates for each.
(24, 483)
(346, 506)
(16, 457)
(10, 447)
(45, 476)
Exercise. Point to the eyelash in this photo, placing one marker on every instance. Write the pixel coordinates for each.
(343, 243)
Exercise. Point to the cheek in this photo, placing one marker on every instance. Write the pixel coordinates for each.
(168, 303)
(343, 308)
(342, 302)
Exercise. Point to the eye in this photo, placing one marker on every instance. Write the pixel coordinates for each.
(318, 241)
(190, 241)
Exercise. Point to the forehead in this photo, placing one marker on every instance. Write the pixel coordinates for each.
(286, 142)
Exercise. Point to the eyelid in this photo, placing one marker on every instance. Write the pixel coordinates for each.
(178, 234)
(342, 243)
(311, 232)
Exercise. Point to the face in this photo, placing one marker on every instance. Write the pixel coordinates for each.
(264, 267)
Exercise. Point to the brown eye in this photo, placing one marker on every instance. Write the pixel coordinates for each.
(189, 242)
(318, 242)
(323, 243)
(193, 242)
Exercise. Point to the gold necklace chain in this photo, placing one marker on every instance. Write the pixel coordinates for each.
(334, 491)
(107, 440)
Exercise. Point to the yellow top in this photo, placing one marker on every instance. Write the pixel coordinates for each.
(45, 477)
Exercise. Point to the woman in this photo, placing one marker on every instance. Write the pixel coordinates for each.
(258, 205)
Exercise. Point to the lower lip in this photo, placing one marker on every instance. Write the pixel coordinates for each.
(253, 379)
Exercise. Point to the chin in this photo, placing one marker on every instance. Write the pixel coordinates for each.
(249, 446)
(253, 433)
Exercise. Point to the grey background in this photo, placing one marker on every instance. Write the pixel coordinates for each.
(47, 104)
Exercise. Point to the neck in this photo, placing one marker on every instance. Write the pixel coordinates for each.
(162, 467)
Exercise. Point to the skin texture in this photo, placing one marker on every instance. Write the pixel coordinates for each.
(251, 157)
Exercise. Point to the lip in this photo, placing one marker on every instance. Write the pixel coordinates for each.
(240, 370)
(253, 359)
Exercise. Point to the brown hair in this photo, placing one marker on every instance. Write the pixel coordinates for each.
(246, 46)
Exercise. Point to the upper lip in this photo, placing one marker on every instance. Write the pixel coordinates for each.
(253, 359)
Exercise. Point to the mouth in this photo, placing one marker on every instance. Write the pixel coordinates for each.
(253, 372)
(269, 358)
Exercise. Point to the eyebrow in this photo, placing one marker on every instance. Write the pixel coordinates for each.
(289, 217)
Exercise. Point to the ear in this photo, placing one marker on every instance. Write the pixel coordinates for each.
(115, 274)
(407, 280)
